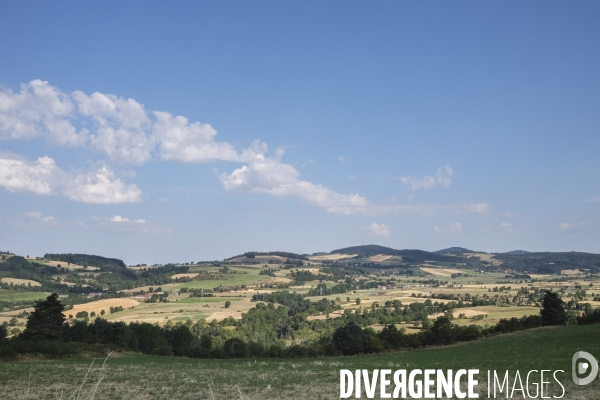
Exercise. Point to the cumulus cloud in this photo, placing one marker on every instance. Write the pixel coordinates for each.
(443, 177)
(121, 126)
(181, 141)
(124, 131)
(380, 229)
(43, 177)
(454, 227)
(38, 109)
(101, 187)
(268, 175)
(19, 175)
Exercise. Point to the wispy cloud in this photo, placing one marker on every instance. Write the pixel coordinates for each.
(123, 225)
(380, 230)
(37, 216)
(454, 227)
(443, 177)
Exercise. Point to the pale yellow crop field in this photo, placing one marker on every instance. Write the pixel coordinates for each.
(380, 257)
(176, 276)
(100, 305)
(441, 271)
(16, 281)
(182, 308)
(485, 257)
(570, 272)
(331, 257)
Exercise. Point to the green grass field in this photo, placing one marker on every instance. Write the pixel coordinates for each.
(150, 377)
(12, 296)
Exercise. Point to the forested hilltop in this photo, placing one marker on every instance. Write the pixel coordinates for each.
(86, 260)
(516, 261)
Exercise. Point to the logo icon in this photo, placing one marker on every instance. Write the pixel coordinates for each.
(583, 367)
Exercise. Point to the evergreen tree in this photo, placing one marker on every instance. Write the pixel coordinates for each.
(46, 321)
(349, 339)
(553, 309)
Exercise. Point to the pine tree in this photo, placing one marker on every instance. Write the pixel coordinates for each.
(46, 321)
(553, 309)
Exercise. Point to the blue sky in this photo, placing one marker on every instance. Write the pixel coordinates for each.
(160, 131)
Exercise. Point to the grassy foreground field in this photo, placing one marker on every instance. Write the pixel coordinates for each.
(150, 377)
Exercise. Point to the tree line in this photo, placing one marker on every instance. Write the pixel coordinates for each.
(264, 331)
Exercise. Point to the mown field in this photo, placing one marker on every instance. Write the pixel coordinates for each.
(152, 377)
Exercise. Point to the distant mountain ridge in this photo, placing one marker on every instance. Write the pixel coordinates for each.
(454, 250)
(517, 252)
(413, 256)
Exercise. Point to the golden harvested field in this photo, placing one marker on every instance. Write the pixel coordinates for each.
(441, 271)
(485, 257)
(468, 313)
(570, 272)
(69, 267)
(380, 257)
(182, 308)
(100, 305)
(16, 281)
(184, 276)
(332, 315)
(333, 257)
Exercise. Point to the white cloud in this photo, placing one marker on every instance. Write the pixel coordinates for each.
(443, 177)
(43, 177)
(36, 110)
(123, 225)
(37, 216)
(352, 177)
(101, 187)
(18, 175)
(125, 132)
(564, 225)
(163, 199)
(122, 126)
(267, 175)
(380, 229)
(454, 227)
(181, 141)
(506, 225)
(118, 218)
